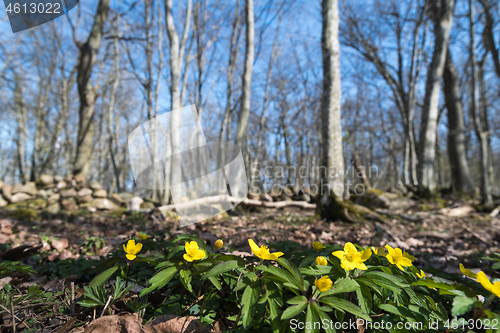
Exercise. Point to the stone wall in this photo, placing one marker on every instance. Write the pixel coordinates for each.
(56, 193)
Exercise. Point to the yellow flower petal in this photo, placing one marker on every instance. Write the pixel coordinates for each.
(187, 257)
(321, 261)
(485, 282)
(254, 247)
(467, 272)
(366, 254)
(199, 254)
(339, 254)
(350, 248)
(130, 256)
(317, 246)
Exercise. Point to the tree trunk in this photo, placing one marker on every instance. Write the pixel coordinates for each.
(457, 152)
(21, 129)
(443, 19)
(87, 57)
(481, 133)
(247, 76)
(332, 150)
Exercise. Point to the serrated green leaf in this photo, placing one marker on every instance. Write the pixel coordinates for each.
(341, 286)
(312, 318)
(294, 270)
(160, 279)
(293, 311)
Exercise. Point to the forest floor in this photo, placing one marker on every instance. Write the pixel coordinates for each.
(436, 239)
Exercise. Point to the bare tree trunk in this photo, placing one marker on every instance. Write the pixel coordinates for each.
(87, 58)
(176, 55)
(111, 106)
(247, 75)
(457, 152)
(233, 55)
(484, 117)
(332, 150)
(443, 20)
(21, 129)
(481, 133)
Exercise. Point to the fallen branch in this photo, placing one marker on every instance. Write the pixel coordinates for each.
(249, 202)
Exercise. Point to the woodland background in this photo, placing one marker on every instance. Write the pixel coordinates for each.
(73, 89)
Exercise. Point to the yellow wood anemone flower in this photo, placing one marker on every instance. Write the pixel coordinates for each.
(262, 252)
(218, 244)
(318, 246)
(422, 275)
(321, 261)
(467, 272)
(132, 249)
(380, 251)
(350, 258)
(193, 252)
(323, 284)
(143, 236)
(398, 258)
(493, 288)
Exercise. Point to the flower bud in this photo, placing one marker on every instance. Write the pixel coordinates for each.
(318, 246)
(218, 244)
(321, 261)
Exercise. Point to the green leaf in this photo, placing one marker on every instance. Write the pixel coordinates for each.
(215, 281)
(312, 318)
(399, 311)
(297, 300)
(325, 317)
(281, 274)
(341, 286)
(343, 305)
(249, 300)
(100, 279)
(221, 268)
(160, 279)
(290, 266)
(88, 303)
(462, 305)
(185, 275)
(315, 270)
(293, 310)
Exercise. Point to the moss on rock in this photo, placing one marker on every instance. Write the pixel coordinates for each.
(26, 214)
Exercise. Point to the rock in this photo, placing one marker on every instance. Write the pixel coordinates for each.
(116, 199)
(57, 179)
(60, 245)
(85, 199)
(69, 204)
(68, 193)
(79, 179)
(7, 192)
(459, 211)
(84, 192)
(288, 191)
(135, 204)
(53, 208)
(103, 203)
(3, 202)
(18, 197)
(95, 185)
(43, 194)
(126, 197)
(100, 194)
(266, 197)
(29, 188)
(62, 184)
(253, 196)
(147, 205)
(25, 214)
(17, 188)
(53, 198)
(38, 203)
(128, 323)
(373, 198)
(172, 323)
(47, 179)
(68, 178)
